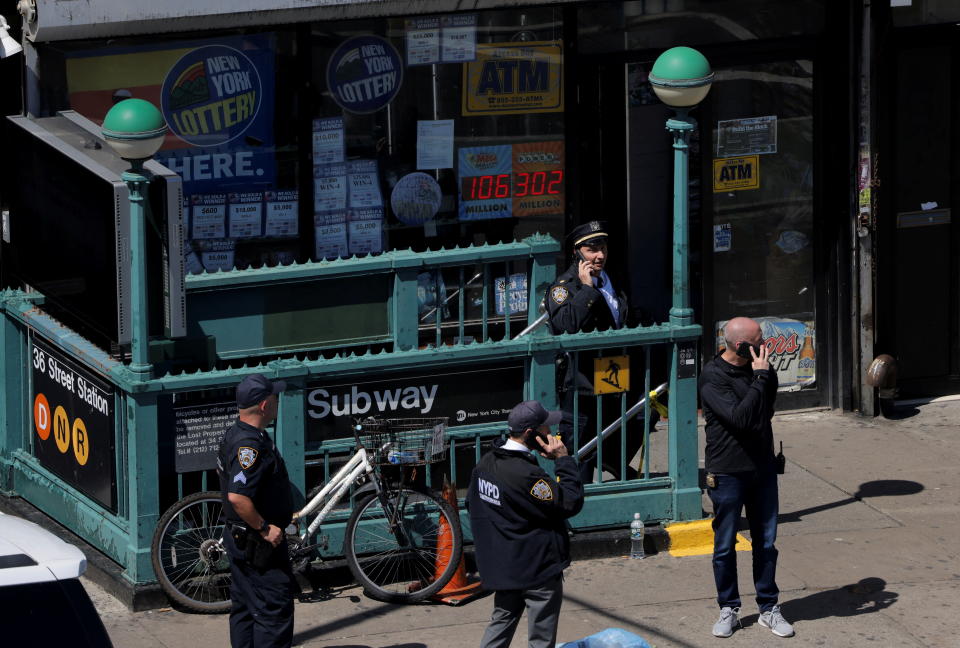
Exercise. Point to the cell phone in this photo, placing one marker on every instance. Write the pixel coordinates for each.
(577, 256)
(743, 350)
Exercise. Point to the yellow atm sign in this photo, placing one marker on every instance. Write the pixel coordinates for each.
(732, 174)
(514, 78)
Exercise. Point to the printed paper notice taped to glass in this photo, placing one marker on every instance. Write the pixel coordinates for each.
(514, 78)
(736, 174)
(747, 136)
(792, 347)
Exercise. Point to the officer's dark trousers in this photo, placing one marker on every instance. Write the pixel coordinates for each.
(261, 614)
(543, 615)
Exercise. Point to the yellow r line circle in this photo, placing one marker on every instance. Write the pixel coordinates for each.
(81, 443)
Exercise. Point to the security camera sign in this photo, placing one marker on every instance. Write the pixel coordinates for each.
(364, 74)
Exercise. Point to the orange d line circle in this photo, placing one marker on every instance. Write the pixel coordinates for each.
(41, 417)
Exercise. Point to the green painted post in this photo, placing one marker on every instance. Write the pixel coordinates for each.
(404, 312)
(684, 463)
(681, 77)
(680, 313)
(135, 129)
(291, 432)
(13, 349)
(543, 270)
(142, 478)
(140, 341)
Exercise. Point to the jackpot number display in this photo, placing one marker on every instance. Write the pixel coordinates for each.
(512, 185)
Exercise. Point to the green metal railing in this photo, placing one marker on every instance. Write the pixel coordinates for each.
(125, 534)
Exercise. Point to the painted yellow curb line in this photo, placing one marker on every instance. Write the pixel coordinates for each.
(696, 538)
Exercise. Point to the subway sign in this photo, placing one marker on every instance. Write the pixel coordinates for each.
(73, 422)
(514, 78)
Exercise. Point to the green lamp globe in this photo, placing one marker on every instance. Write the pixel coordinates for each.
(681, 77)
(135, 129)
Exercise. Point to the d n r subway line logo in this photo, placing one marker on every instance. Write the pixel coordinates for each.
(211, 95)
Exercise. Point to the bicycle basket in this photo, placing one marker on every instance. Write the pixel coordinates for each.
(404, 441)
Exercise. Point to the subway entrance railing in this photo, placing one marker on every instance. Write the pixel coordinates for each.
(106, 459)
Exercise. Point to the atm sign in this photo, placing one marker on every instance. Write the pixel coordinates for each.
(733, 174)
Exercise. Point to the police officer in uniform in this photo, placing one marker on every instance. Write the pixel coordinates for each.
(583, 299)
(258, 506)
(518, 515)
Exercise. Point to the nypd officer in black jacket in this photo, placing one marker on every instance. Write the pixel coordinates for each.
(518, 514)
(258, 506)
(581, 300)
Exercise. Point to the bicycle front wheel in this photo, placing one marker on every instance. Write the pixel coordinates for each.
(188, 555)
(403, 545)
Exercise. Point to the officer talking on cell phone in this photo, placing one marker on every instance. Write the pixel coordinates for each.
(584, 299)
(258, 506)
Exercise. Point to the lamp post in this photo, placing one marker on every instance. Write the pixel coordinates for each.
(135, 129)
(681, 77)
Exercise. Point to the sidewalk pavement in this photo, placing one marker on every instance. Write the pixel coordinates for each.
(869, 556)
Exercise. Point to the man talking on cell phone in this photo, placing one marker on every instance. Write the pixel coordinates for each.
(581, 300)
(738, 391)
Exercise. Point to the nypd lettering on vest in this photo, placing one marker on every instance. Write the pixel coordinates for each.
(489, 493)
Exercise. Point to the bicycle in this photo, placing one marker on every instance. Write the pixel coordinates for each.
(402, 543)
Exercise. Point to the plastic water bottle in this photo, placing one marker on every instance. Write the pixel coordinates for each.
(636, 537)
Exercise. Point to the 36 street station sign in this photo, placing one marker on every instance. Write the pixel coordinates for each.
(73, 419)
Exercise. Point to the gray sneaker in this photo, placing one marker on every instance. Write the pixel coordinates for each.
(774, 620)
(729, 617)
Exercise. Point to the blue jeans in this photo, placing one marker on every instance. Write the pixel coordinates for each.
(757, 492)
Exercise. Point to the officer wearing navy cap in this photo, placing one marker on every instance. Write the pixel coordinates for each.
(518, 515)
(584, 299)
(258, 506)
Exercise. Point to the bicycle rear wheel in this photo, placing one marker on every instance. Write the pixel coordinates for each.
(188, 555)
(404, 545)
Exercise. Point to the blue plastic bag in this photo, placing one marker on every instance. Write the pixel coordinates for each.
(609, 638)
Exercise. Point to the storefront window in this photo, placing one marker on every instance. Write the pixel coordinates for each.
(650, 24)
(437, 131)
(906, 13)
(225, 99)
(763, 239)
(420, 132)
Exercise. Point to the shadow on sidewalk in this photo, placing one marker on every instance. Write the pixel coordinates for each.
(877, 488)
(866, 596)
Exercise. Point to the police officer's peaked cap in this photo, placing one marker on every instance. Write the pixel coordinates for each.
(257, 388)
(588, 234)
(531, 415)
